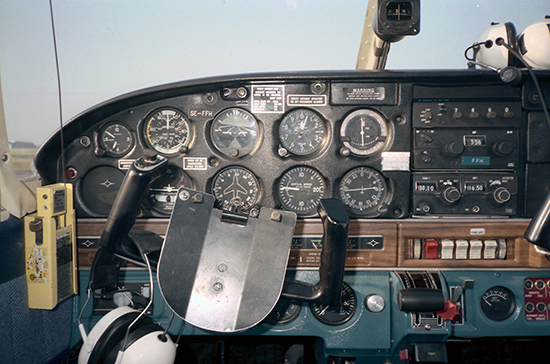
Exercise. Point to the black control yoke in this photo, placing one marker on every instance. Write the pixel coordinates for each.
(538, 231)
(333, 259)
(117, 241)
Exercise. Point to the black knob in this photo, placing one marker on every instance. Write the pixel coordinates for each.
(491, 115)
(35, 225)
(502, 195)
(508, 115)
(503, 148)
(149, 156)
(451, 194)
(455, 149)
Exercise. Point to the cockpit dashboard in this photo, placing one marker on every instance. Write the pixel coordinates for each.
(439, 171)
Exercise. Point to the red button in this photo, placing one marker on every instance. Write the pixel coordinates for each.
(430, 249)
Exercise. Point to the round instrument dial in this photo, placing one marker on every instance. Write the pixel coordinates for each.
(235, 132)
(364, 132)
(167, 131)
(162, 194)
(498, 303)
(116, 139)
(284, 312)
(302, 132)
(337, 314)
(236, 186)
(363, 190)
(300, 190)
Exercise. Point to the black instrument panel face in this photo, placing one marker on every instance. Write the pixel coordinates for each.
(388, 145)
(284, 145)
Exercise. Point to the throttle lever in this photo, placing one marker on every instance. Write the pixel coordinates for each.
(333, 259)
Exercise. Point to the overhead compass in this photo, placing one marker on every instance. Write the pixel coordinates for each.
(235, 132)
(364, 132)
(236, 186)
(303, 132)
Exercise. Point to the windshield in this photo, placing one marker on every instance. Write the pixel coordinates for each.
(107, 48)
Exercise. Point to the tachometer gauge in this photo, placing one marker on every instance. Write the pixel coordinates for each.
(364, 132)
(236, 186)
(302, 132)
(300, 190)
(498, 303)
(116, 139)
(167, 131)
(337, 314)
(363, 190)
(162, 194)
(235, 132)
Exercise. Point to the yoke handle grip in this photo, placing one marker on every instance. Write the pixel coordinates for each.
(333, 259)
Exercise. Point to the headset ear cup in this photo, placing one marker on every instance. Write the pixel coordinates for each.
(512, 40)
(111, 338)
(492, 54)
(108, 335)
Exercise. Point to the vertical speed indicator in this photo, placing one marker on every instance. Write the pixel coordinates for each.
(300, 189)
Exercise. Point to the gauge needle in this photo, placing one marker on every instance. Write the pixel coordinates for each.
(361, 189)
(362, 131)
(290, 188)
(111, 135)
(303, 123)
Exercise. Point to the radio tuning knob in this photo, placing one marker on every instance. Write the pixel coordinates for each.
(503, 148)
(455, 149)
(502, 195)
(451, 194)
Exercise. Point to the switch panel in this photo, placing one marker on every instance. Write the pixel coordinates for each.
(457, 249)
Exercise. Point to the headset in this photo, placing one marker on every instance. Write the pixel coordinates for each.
(534, 44)
(125, 335)
(487, 52)
(500, 46)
